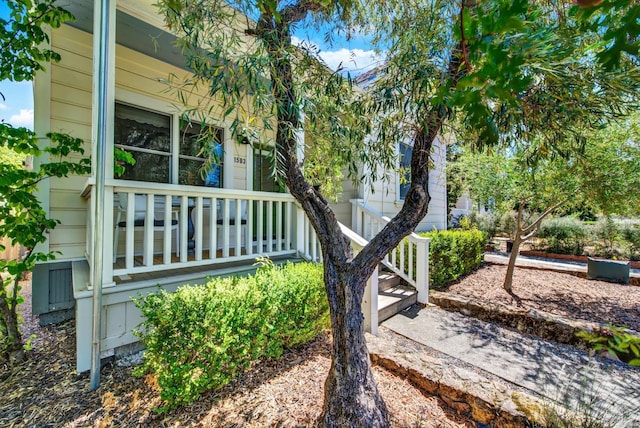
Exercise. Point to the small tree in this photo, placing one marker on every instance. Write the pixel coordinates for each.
(602, 176)
(23, 221)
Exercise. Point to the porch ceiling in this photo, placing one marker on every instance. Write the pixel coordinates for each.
(131, 32)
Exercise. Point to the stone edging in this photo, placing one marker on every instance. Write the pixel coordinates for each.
(540, 324)
(467, 392)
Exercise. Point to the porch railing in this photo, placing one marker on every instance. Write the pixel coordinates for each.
(178, 226)
(370, 298)
(409, 260)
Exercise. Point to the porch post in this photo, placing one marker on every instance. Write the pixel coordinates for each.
(300, 139)
(300, 238)
(370, 304)
(103, 96)
(422, 270)
(356, 216)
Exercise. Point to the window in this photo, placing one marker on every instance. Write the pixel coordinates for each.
(263, 179)
(147, 135)
(194, 167)
(404, 175)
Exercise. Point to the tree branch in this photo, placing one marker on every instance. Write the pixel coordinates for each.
(548, 211)
(298, 11)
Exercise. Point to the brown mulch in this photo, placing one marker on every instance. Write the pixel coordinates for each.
(556, 293)
(45, 391)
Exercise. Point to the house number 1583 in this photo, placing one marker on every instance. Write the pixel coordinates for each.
(238, 159)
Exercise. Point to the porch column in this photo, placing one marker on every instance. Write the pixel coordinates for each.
(300, 140)
(102, 121)
(102, 118)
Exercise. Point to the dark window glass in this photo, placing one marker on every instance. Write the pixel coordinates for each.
(147, 136)
(201, 155)
(263, 179)
(405, 170)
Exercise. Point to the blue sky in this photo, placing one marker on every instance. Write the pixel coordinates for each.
(355, 55)
(17, 106)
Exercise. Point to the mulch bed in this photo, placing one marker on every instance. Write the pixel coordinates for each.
(45, 391)
(556, 293)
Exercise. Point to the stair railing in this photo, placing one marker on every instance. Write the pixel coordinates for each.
(409, 260)
(370, 298)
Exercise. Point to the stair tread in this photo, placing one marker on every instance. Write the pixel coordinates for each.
(387, 281)
(394, 295)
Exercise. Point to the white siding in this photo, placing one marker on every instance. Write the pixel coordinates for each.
(383, 197)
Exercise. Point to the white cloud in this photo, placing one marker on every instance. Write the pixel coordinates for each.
(354, 60)
(24, 118)
(3, 106)
(351, 60)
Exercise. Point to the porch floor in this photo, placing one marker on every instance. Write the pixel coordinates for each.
(241, 265)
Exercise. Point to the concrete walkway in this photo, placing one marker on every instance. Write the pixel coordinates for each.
(557, 372)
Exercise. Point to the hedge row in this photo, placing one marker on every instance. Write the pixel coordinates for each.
(201, 337)
(453, 253)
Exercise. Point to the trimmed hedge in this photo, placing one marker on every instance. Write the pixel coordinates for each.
(201, 337)
(453, 253)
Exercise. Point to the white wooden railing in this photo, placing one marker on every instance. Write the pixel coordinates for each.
(410, 260)
(213, 226)
(308, 244)
(370, 298)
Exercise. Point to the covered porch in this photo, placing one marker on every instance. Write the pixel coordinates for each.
(157, 229)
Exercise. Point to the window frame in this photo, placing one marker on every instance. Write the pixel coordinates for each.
(400, 198)
(159, 106)
(180, 156)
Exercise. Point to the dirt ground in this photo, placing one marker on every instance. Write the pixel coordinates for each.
(557, 293)
(45, 391)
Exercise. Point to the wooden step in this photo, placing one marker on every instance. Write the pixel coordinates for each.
(387, 280)
(394, 300)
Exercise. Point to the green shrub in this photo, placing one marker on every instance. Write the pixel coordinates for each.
(630, 233)
(607, 234)
(508, 224)
(564, 235)
(487, 222)
(453, 253)
(201, 337)
(616, 341)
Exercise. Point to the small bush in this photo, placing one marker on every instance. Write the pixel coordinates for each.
(453, 253)
(201, 337)
(607, 233)
(487, 222)
(508, 224)
(630, 233)
(564, 235)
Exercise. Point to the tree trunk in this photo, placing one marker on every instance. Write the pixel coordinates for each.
(515, 249)
(351, 397)
(12, 348)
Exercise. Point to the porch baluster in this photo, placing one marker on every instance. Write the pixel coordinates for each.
(198, 225)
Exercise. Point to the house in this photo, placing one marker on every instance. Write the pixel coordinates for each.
(164, 224)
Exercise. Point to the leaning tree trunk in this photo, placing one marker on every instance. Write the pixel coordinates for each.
(351, 397)
(515, 249)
